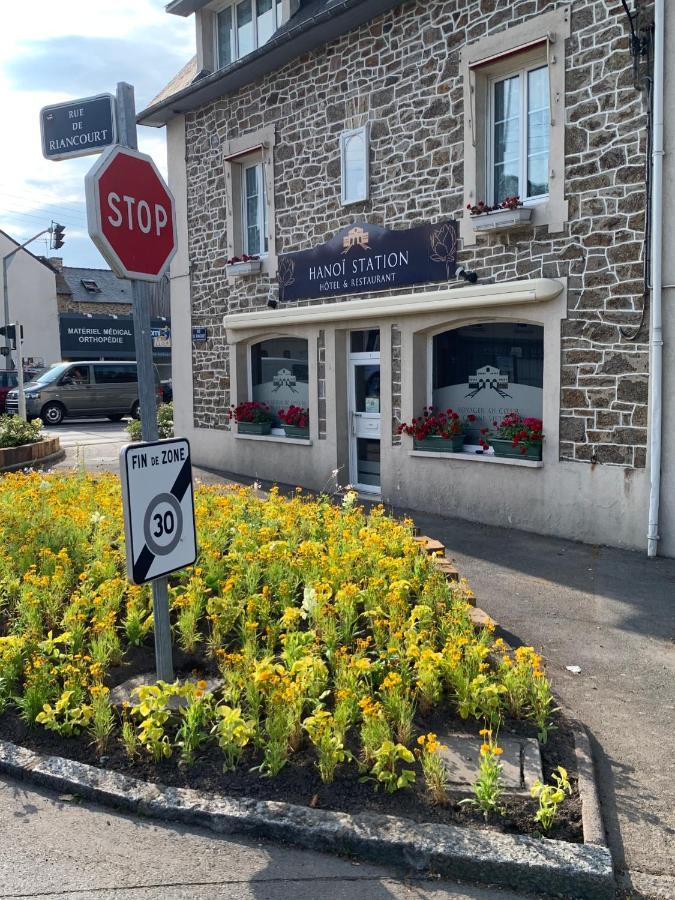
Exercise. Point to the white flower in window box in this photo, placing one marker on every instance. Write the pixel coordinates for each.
(506, 216)
(243, 265)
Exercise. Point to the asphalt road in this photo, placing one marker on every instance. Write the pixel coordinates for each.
(93, 443)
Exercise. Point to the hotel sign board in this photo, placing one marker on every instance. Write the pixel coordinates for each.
(363, 258)
(79, 127)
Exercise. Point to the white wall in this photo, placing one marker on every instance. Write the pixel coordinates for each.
(32, 301)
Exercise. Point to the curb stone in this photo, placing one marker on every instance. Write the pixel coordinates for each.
(591, 816)
(541, 867)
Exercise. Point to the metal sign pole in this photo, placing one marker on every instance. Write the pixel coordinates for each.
(5, 293)
(19, 370)
(126, 111)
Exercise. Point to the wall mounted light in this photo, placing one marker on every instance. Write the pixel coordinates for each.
(471, 277)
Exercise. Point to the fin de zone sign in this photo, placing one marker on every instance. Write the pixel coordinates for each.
(159, 519)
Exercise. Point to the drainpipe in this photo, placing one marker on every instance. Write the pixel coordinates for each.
(655, 394)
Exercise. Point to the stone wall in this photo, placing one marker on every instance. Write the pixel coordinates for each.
(401, 72)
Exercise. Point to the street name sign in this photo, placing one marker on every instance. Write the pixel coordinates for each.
(131, 214)
(159, 518)
(78, 127)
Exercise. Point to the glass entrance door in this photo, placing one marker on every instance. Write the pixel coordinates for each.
(364, 413)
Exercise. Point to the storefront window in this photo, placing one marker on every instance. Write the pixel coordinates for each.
(280, 373)
(489, 370)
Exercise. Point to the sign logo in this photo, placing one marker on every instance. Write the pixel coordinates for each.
(355, 237)
(488, 378)
(285, 378)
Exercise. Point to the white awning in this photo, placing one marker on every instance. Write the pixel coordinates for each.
(508, 293)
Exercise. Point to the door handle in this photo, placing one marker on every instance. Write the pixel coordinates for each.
(353, 416)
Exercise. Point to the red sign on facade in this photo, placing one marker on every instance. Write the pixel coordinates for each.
(130, 214)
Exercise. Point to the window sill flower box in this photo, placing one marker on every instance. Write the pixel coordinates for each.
(436, 443)
(502, 219)
(296, 431)
(237, 268)
(254, 427)
(505, 448)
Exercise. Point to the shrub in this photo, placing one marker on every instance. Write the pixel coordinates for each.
(164, 424)
(15, 431)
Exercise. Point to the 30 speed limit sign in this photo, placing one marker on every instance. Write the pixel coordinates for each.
(159, 518)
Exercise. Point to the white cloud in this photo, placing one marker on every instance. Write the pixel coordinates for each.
(53, 52)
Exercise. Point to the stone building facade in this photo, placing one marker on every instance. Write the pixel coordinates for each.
(419, 76)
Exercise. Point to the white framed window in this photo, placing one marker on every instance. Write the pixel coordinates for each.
(519, 135)
(514, 120)
(240, 28)
(354, 159)
(249, 197)
(255, 239)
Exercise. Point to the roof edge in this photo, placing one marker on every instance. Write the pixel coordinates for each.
(286, 45)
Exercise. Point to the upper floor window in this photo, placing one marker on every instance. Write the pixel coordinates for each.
(254, 211)
(354, 157)
(244, 26)
(519, 134)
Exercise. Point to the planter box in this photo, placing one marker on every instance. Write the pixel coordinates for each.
(295, 431)
(254, 427)
(252, 267)
(26, 454)
(437, 444)
(505, 448)
(502, 219)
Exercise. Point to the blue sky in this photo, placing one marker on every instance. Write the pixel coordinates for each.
(55, 51)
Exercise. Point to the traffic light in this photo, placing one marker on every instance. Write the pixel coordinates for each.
(58, 235)
(8, 331)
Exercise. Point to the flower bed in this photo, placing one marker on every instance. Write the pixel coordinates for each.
(339, 646)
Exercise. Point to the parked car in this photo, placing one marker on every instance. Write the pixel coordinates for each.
(82, 389)
(9, 380)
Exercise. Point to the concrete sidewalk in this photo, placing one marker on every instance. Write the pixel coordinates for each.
(612, 613)
(60, 850)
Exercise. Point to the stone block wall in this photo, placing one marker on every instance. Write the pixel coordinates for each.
(401, 72)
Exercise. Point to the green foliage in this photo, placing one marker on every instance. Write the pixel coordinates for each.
(14, 431)
(550, 797)
(164, 423)
(386, 768)
(195, 724)
(154, 712)
(66, 716)
(324, 734)
(233, 733)
(487, 788)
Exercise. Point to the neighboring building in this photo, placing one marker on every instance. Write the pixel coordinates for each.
(95, 316)
(362, 131)
(32, 302)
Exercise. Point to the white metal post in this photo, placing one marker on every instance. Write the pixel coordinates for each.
(147, 397)
(655, 393)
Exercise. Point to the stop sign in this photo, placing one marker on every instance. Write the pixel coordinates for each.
(130, 214)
